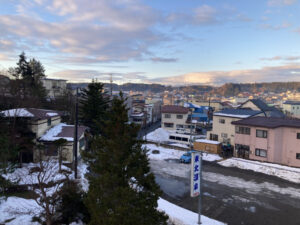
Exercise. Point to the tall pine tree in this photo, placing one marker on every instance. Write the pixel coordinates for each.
(122, 188)
(93, 106)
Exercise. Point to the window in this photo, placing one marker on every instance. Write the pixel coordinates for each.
(213, 137)
(168, 116)
(49, 122)
(242, 130)
(297, 155)
(179, 116)
(179, 126)
(221, 121)
(170, 125)
(172, 137)
(260, 152)
(81, 143)
(185, 139)
(223, 135)
(298, 135)
(261, 133)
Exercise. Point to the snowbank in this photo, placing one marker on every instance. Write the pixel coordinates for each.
(159, 135)
(284, 172)
(167, 153)
(181, 216)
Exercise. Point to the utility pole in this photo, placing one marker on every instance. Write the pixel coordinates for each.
(75, 135)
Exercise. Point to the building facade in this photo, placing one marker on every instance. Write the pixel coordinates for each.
(174, 117)
(292, 108)
(268, 139)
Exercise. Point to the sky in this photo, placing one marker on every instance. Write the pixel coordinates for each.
(174, 42)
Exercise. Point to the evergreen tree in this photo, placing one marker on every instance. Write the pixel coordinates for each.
(93, 106)
(122, 189)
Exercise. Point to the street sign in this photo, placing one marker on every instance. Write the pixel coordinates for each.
(195, 174)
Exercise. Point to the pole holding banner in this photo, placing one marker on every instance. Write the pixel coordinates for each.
(196, 180)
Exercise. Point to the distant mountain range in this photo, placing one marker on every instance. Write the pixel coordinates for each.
(229, 89)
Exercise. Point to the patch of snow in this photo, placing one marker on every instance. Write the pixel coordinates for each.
(284, 172)
(51, 135)
(82, 170)
(180, 145)
(207, 141)
(19, 209)
(51, 114)
(21, 112)
(180, 216)
(159, 135)
(23, 175)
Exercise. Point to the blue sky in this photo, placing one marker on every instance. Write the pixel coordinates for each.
(171, 42)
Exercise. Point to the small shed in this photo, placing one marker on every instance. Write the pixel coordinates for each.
(208, 146)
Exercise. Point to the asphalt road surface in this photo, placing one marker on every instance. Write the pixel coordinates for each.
(231, 195)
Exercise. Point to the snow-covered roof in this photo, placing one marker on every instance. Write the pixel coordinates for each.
(31, 112)
(64, 131)
(207, 141)
(21, 112)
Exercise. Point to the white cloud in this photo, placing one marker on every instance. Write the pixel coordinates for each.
(266, 74)
(281, 2)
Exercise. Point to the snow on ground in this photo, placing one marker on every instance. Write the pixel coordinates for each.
(168, 153)
(179, 145)
(284, 172)
(181, 216)
(159, 135)
(18, 211)
(82, 170)
(23, 175)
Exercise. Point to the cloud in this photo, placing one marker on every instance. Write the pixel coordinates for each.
(100, 31)
(281, 2)
(265, 74)
(165, 60)
(275, 27)
(278, 58)
(88, 75)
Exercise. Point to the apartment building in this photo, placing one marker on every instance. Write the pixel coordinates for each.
(268, 139)
(174, 117)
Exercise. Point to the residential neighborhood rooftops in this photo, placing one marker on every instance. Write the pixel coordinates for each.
(64, 131)
(238, 113)
(269, 122)
(174, 109)
(31, 113)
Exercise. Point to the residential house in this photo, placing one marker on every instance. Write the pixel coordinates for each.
(174, 117)
(55, 87)
(268, 139)
(156, 108)
(223, 131)
(62, 131)
(40, 122)
(292, 108)
(258, 104)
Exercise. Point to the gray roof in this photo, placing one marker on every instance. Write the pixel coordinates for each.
(268, 122)
(238, 112)
(271, 111)
(292, 102)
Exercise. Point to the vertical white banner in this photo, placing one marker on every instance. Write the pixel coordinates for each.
(195, 174)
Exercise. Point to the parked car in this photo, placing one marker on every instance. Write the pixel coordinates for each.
(187, 157)
(180, 131)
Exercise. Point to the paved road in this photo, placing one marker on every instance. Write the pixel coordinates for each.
(232, 195)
